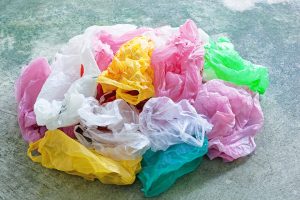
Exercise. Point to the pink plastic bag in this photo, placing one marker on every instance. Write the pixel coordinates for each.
(236, 116)
(27, 89)
(178, 64)
(115, 42)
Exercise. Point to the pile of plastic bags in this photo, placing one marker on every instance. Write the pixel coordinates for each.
(120, 101)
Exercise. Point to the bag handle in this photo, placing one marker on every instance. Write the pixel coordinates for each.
(32, 147)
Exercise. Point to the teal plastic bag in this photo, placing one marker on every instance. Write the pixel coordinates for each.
(223, 62)
(161, 169)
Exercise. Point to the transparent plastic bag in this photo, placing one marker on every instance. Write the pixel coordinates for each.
(166, 123)
(58, 151)
(223, 62)
(129, 73)
(161, 169)
(236, 116)
(111, 129)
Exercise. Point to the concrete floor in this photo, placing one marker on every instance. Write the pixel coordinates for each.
(266, 34)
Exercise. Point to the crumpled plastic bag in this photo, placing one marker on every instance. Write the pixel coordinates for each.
(161, 169)
(161, 35)
(236, 116)
(130, 74)
(178, 64)
(165, 34)
(58, 151)
(73, 77)
(166, 123)
(115, 42)
(111, 129)
(223, 62)
(27, 88)
(110, 38)
(103, 52)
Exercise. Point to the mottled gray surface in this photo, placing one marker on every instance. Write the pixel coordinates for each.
(266, 34)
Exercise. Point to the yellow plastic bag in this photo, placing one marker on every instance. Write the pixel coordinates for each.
(130, 73)
(59, 151)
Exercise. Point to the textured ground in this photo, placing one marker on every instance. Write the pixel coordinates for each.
(264, 33)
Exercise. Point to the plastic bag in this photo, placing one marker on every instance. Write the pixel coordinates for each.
(115, 42)
(236, 116)
(130, 74)
(166, 123)
(223, 62)
(112, 129)
(73, 77)
(109, 39)
(27, 88)
(58, 151)
(161, 35)
(178, 64)
(161, 169)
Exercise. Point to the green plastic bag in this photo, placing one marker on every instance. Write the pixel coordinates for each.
(223, 62)
(161, 169)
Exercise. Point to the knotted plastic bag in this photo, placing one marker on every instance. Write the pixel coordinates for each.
(177, 65)
(236, 116)
(73, 77)
(166, 123)
(223, 62)
(111, 129)
(58, 151)
(161, 169)
(130, 74)
(27, 88)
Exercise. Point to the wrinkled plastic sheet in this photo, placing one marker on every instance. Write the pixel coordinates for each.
(236, 116)
(166, 123)
(112, 129)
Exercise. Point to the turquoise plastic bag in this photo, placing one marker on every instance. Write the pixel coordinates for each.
(223, 62)
(161, 169)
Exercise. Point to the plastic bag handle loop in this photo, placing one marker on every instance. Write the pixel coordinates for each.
(32, 147)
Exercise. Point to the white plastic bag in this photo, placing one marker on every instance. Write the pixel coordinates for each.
(111, 129)
(73, 77)
(166, 123)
